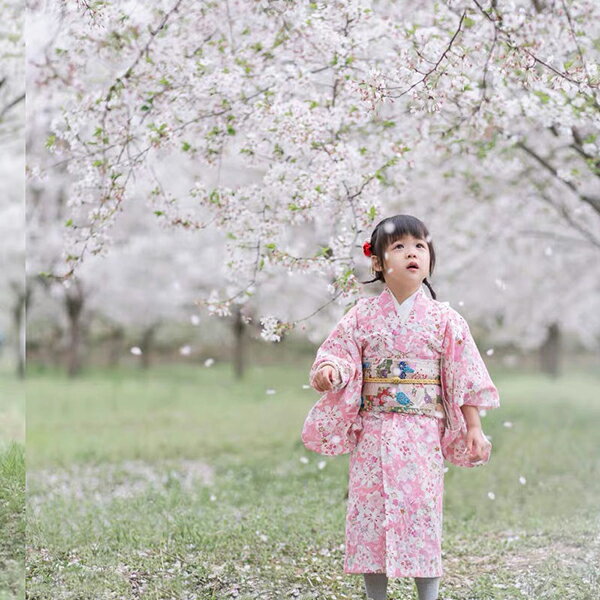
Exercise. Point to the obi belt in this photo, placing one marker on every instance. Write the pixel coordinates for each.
(405, 385)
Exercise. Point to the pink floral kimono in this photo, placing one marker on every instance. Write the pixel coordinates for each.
(403, 371)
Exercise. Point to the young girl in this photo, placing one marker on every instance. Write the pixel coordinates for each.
(402, 383)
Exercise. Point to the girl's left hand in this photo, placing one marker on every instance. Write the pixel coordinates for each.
(477, 444)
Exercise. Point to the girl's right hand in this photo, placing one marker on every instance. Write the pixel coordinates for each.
(325, 379)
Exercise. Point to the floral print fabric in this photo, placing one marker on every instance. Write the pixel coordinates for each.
(396, 474)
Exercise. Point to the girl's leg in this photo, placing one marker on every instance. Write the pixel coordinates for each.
(376, 585)
(428, 587)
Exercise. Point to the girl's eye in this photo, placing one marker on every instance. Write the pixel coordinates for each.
(401, 245)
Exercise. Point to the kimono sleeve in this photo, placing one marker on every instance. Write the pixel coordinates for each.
(333, 423)
(471, 382)
(340, 350)
(465, 381)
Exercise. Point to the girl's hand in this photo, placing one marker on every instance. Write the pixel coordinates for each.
(477, 444)
(325, 379)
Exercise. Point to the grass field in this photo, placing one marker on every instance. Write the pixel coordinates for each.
(182, 483)
(12, 489)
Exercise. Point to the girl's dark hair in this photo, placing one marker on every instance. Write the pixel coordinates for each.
(389, 230)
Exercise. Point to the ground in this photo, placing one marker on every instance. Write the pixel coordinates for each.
(181, 483)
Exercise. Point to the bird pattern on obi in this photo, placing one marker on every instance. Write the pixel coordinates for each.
(403, 371)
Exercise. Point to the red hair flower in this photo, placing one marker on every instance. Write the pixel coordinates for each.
(367, 248)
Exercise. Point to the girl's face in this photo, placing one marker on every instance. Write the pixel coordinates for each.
(399, 258)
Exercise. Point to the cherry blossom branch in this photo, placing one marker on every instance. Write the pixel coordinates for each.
(515, 46)
(436, 64)
(593, 201)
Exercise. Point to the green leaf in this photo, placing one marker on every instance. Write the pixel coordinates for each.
(543, 96)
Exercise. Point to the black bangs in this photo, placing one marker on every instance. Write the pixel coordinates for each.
(394, 228)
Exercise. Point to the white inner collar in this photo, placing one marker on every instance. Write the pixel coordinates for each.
(403, 308)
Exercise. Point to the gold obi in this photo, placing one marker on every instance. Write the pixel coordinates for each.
(407, 385)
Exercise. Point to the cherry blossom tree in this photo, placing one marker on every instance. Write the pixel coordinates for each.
(331, 108)
(13, 293)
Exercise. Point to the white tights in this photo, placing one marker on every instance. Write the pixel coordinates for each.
(376, 586)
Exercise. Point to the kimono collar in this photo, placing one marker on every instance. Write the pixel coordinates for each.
(403, 309)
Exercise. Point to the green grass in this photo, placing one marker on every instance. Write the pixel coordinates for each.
(182, 483)
(12, 487)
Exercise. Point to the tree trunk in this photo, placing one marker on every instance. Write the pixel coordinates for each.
(146, 345)
(74, 307)
(115, 346)
(52, 351)
(238, 349)
(19, 318)
(550, 351)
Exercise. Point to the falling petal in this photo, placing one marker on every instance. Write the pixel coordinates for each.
(321, 464)
(522, 480)
(491, 495)
(489, 351)
(461, 303)
(446, 469)
(209, 362)
(548, 251)
(389, 227)
(185, 350)
(135, 350)
(306, 387)
(507, 424)
(304, 460)
(270, 391)
(482, 412)
(195, 319)
(213, 498)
